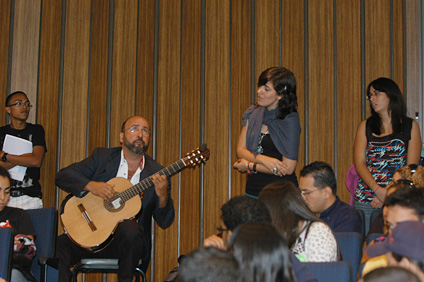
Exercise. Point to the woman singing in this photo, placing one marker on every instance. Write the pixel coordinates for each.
(268, 145)
(385, 141)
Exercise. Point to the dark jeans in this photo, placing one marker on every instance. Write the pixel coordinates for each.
(128, 246)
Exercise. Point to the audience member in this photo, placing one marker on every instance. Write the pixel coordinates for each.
(385, 141)
(26, 190)
(390, 274)
(404, 247)
(262, 253)
(318, 187)
(21, 224)
(244, 209)
(308, 237)
(412, 172)
(209, 265)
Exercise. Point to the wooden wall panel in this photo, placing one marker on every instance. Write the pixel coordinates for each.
(348, 86)
(216, 110)
(124, 60)
(4, 53)
(98, 74)
(75, 84)
(293, 58)
(25, 50)
(48, 93)
(241, 86)
(190, 124)
(321, 81)
(168, 121)
(267, 38)
(398, 41)
(145, 57)
(377, 40)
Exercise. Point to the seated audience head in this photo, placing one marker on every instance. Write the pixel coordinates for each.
(262, 253)
(287, 208)
(242, 209)
(404, 247)
(411, 172)
(318, 186)
(390, 274)
(209, 265)
(4, 188)
(405, 204)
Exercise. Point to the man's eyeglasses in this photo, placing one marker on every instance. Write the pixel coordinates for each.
(405, 182)
(144, 130)
(19, 104)
(370, 95)
(306, 192)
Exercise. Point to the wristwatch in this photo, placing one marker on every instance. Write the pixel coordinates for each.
(4, 157)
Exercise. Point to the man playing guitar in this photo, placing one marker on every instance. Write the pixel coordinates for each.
(132, 239)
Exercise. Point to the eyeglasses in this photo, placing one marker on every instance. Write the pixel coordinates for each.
(19, 104)
(406, 182)
(376, 94)
(220, 229)
(306, 192)
(144, 130)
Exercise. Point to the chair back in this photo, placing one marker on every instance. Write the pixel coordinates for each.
(350, 244)
(362, 214)
(6, 249)
(45, 226)
(330, 271)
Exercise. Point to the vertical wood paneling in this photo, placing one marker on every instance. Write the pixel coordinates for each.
(321, 81)
(240, 81)
(348, 86)
(168, 123)
(412, 60)
(398, 40)
(293, 58)
(124, 60)
(4, 53)
(377, 40)
(267, 37)
(98, 75)
(216, 110)
(145, 57)
(190, 124)
(48, 88)
(75, 83)
(25, 50)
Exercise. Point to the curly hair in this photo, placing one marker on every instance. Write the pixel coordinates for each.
(284, 83)
(412, 172)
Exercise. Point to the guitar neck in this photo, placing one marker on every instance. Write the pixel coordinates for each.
(148, 182)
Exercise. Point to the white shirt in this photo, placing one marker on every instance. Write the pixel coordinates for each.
(123, 170)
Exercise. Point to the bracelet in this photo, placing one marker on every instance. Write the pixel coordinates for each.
(254, 169)
(247, 168)
(375, 191)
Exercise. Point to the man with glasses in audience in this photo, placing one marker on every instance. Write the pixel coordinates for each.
(132, 239)
(24, 168)
(318, 187)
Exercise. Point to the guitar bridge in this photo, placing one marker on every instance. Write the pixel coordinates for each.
(87, 217)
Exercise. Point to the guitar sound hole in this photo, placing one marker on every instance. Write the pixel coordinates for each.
(114, 205)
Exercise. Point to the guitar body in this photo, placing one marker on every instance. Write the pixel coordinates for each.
(89, 221)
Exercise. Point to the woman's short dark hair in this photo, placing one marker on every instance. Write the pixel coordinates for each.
(397, 106)
(284, 84)
(287, 208)
(262, 253)
(5, 174)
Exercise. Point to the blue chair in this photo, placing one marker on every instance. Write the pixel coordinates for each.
(350, 244)
(330, 271)
(45, 226)
(6, 250)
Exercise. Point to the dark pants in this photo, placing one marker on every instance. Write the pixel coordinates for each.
(128, 246)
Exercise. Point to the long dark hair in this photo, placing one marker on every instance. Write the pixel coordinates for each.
(284, 84)
(262, 253)
(287, 208)
(397, 106)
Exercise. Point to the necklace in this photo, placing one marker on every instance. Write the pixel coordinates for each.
(260, 149)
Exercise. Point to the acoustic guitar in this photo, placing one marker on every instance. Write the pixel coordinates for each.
(91, 221)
